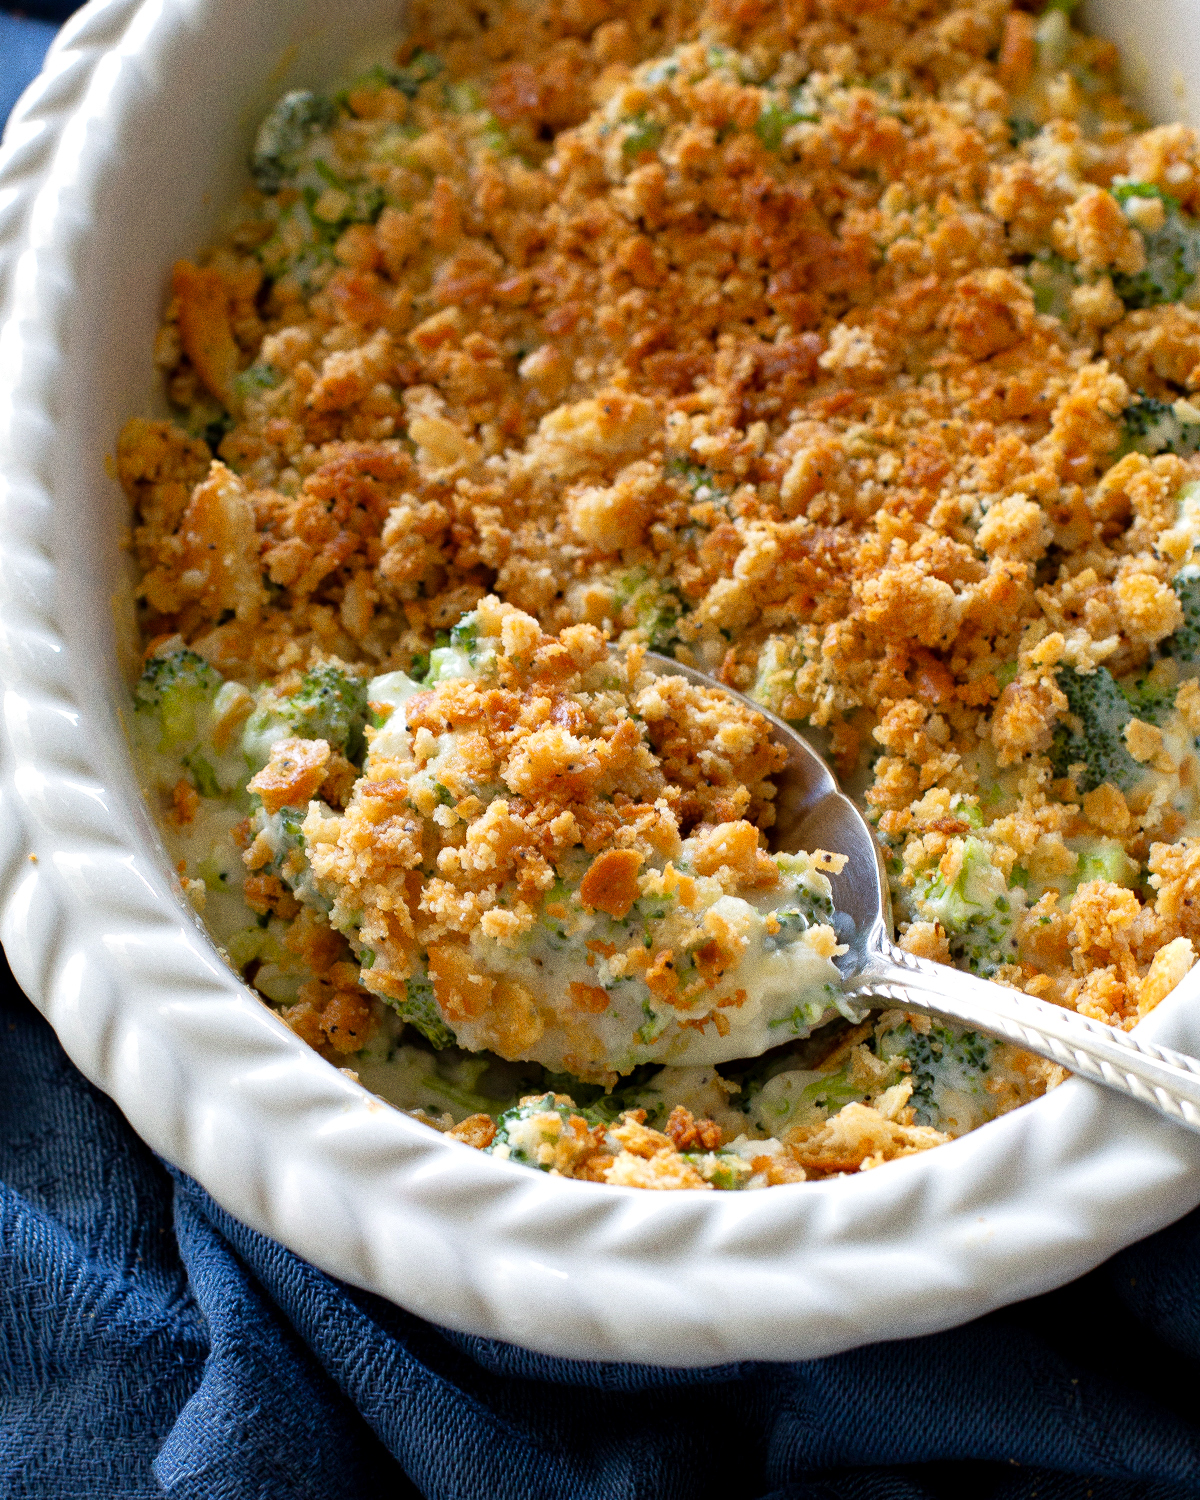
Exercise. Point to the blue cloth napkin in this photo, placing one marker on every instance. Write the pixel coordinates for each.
(23, 43)
(150, 1345)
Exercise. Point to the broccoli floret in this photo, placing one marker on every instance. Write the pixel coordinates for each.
(179, 702)
(1172, 252)
(807, 910)
(947, 1069)
(1021, 130)
(976, 910)
(284, 134)
(421, 68)
(458, 654)
(1105, 859)
(1151, 426)
(1052, 280)
(177, 692)
(643, 135)
(419, 1009)
(727, 1171)
(522, 1131)
(528, 1133)
(446, 662)
(284, 837)
(656, 606)
(330, 704)
(637, 1090)
(784, 1095)
(1103, 711)
(695, 476)
(775, 122)
(810, 1013)
(255, 379)
(1184, 644)
(942, 1061)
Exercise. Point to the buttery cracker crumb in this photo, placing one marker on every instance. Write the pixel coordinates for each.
(871, 402)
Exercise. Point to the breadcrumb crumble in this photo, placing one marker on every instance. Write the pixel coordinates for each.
(846, 354)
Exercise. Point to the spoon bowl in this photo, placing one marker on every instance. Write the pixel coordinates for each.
(812, 812)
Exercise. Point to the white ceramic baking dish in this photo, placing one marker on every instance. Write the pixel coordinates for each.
(117, 161)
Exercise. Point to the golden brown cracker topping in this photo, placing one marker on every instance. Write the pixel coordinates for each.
(802, 356)
(611, 883)
(293, 775)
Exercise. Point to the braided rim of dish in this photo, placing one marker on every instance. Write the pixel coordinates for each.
(218, 1085)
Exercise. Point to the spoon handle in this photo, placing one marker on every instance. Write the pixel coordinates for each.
(1166, 1080)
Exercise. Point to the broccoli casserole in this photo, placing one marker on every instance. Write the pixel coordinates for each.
(844, 352)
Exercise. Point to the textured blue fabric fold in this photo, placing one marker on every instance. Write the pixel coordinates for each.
(224, 1445)
(23, 43)
(150, 1344)
(100, 1340)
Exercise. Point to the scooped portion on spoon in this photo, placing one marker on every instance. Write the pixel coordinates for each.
(557, 855)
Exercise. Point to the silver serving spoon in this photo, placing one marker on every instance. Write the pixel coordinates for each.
(812, 813)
